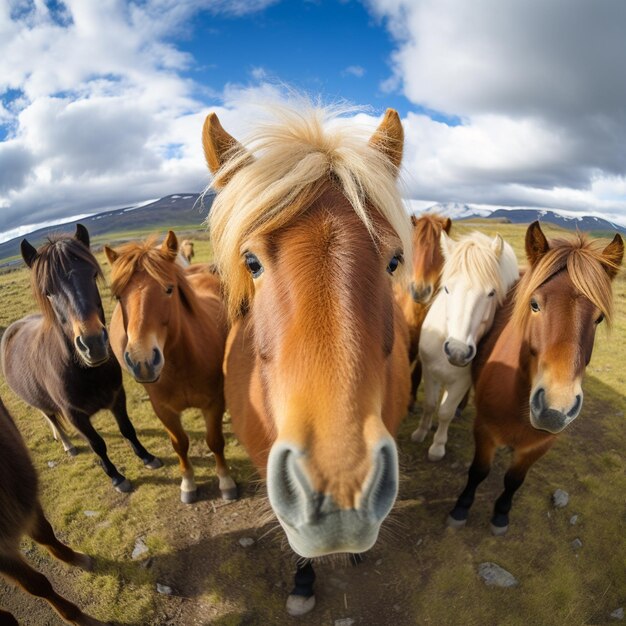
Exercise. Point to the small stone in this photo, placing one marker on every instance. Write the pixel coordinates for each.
(91, 513)
(493, 574)
(344, 621)
(560, 498)
(166, 590)
(618, 613)
(140, 549)
(573, 520)
(577, 544)
(419, 542)
(379, 562)
(455, 465)
(397, 608)
(246, 542)
(52, 464)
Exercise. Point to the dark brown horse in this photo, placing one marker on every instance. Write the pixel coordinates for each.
(59, 361)
(529, 369)
(308, 228)
(21, 513)
(169, 330)
(423, 284)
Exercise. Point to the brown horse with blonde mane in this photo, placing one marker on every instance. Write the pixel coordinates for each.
(169, 329)
(308, 228)
(529, 368)
(424, 282)
(21, 513)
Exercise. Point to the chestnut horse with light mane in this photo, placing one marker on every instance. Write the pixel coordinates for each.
(307, 229)
(529, 369)
(423, 283)
(169, 330)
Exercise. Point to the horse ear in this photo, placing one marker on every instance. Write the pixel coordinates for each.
(111, 254)
(170, 245)
(497, 245)
(447, 225)
(613, 255)
(219, 147)
(389, 137)
(536, 243)
(414, 220)
(82, 235)
(29, 253)
(446, 244)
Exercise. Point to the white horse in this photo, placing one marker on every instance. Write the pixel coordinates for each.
(477, 273)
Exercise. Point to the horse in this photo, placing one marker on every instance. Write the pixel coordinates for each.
(186, 250)
(21, 513)
(477, 273)
(530, 367)
(169, 330)
(59, 361)
(424, 283)
(308, 229)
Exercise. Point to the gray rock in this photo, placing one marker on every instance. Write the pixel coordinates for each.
(560, 498)
(140, 549)
(378, 563)
(344, 621)
(618, 613)
(495, 575)
(52, 464)
(166, 590)
(577, 544)
(246, 542)
(91, 513)
(573, 520)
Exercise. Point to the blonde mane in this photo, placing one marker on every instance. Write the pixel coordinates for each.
(288, 163)
(586, 266)
(473, 258)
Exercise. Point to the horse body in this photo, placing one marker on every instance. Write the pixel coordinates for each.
(21, 513)
(477, 274)
(426, 268)
(59, 361)
(306, 228)
(169, 330)
(529, 371)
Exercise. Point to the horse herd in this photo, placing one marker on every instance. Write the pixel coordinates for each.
(325, 308)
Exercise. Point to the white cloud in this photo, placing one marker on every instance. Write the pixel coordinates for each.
(354, 70)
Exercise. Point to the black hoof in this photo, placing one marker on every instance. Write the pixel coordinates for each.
(499, 524)
(72, 451)
(153, 463)
(188, 497)
(123, 486)
(229, 494)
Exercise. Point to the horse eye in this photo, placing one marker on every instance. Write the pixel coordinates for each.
(253, 264)
(445, 289)
(393, 264)
(600, 319)
(169, 290)
(534, 305)
(492, 293)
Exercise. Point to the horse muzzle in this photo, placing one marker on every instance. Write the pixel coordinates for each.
(314, 524)
(549, 418)
(421, 292)
(145, 370)
(94, 348)
(458, 353)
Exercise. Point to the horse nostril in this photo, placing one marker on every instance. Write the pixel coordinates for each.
(105, 335)
(156, 358)
(538, 401)
(573, 412)
(81, 345)
(128, 360)
(470, 353)
(446, 348)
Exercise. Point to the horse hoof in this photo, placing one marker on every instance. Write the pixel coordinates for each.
(299, 605)
(72, 451)
(435, 456)
(229, 494)
(498, 531)
(124, 487)
(455, 523)
(83, 561)
(188, 497)
(154, 464)
(417, 436)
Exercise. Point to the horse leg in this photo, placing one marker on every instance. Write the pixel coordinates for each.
(301, 600)
(432, 389)
(35, 583)
(215, 441)
(43, 534)
(478, 471)
(6, 619)
(513, 480)
(180, 442)
(58, 432)
(452, 396)
(416, 378)
(128, 431)
(96, 443)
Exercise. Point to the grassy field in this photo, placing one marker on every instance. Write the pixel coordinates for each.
(419, 573)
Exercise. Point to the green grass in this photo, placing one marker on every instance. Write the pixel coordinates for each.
(419, 573)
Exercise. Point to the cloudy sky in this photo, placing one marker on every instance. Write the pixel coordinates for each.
(517, 103)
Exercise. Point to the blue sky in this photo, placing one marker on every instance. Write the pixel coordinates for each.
(102, 101)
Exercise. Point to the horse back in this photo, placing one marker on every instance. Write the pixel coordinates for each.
(18, 483)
